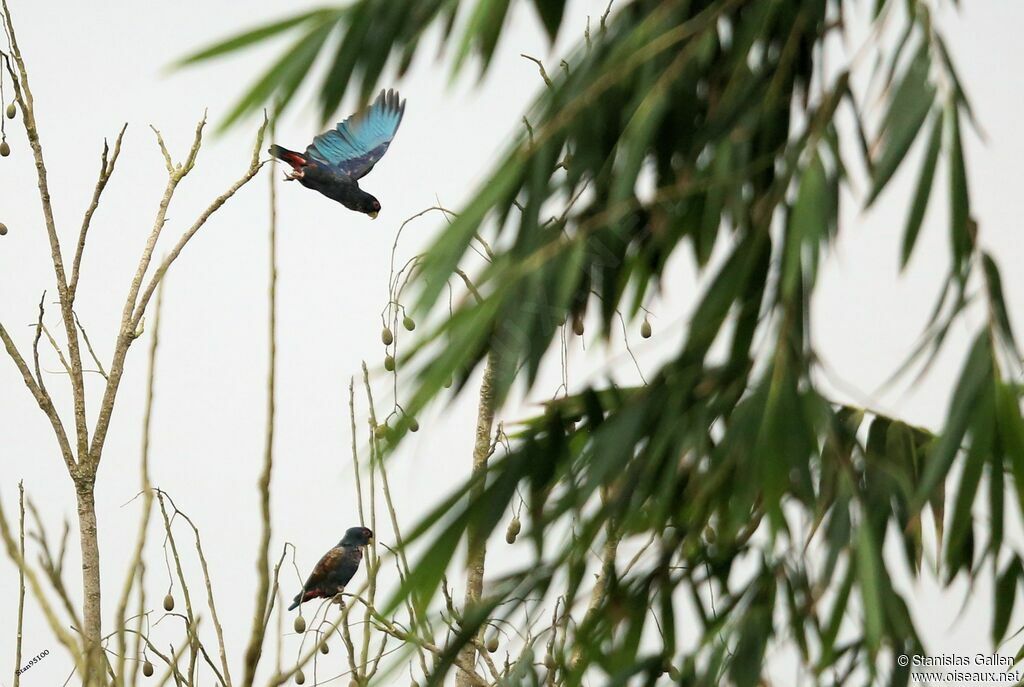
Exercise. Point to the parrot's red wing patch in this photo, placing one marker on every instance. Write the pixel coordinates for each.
(296, 160)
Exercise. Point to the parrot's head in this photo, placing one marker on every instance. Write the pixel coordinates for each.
(356, 536)
(369, 205)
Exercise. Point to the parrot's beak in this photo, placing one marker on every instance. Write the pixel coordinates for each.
(373, 215)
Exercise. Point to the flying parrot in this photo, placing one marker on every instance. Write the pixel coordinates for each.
(335, 161)
(335, 568)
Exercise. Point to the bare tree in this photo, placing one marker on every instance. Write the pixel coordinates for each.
(81, 446)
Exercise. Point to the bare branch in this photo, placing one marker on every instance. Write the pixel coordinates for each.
(540, 66)
(106, 169)
(133, 314)
(168, 162)
(225, 678)
(23, 94)
(35, 344)
(189, 614)
(147, 492)
(56, 349)
(88, 344)
(260, 618)
(42, 398)
(21, 582)
(56, 626)
(254, 167)
(476, 541)
(54, 569)
(466, 668)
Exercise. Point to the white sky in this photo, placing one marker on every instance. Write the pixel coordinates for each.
(100, 65)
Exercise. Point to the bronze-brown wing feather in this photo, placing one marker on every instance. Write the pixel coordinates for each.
(330, 575)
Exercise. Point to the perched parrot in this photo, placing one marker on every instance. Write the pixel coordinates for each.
(336, 568)
(335, 161)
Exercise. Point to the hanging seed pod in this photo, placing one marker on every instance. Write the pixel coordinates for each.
(389, 363)
(448, 383)
(300, 624)
(549, 662)
(409, 323)
(5, 149)
(513, 530)
(3, 229)
(147, 669)
(577, 325)
(300, 677)
(380, 431)
(386, 336)
(168, 603)
(673, 673)
(413, 425)
(324, 649)
(492, 644)
(12, 110)
(645, 328)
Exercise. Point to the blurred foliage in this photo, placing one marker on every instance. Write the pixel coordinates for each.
(775, 513)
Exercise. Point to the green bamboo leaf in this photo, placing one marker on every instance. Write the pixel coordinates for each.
(975, 377)
(482, 30)
(550, 12)
(835, 620)
(284, 77)
(444, 255)
(982, 430)
(755, 628)
(907, 111)
(951, 71)
(994, 286)
(808, 224)
(258, 35)
(997, 495)
(1005, 596)
(1011, 434)
(346, 56)
(960, 204)
(714, 201)
(924, 189)
(722, 293)
(869, 576)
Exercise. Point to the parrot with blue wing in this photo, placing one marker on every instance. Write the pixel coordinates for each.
(335, 161)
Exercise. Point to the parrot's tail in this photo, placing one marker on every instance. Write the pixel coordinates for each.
(296, 602)
(296, 160)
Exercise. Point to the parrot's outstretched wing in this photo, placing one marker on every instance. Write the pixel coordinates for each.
(355, 146)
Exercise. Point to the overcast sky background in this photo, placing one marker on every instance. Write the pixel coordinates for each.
(101, 64)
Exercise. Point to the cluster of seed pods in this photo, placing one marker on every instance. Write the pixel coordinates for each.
(5, 149)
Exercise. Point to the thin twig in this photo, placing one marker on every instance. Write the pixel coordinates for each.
(255, 646)
(540, 66)
(88, 343)
(56, 626)
(146, 490)
(106, 169)
(21, 582)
